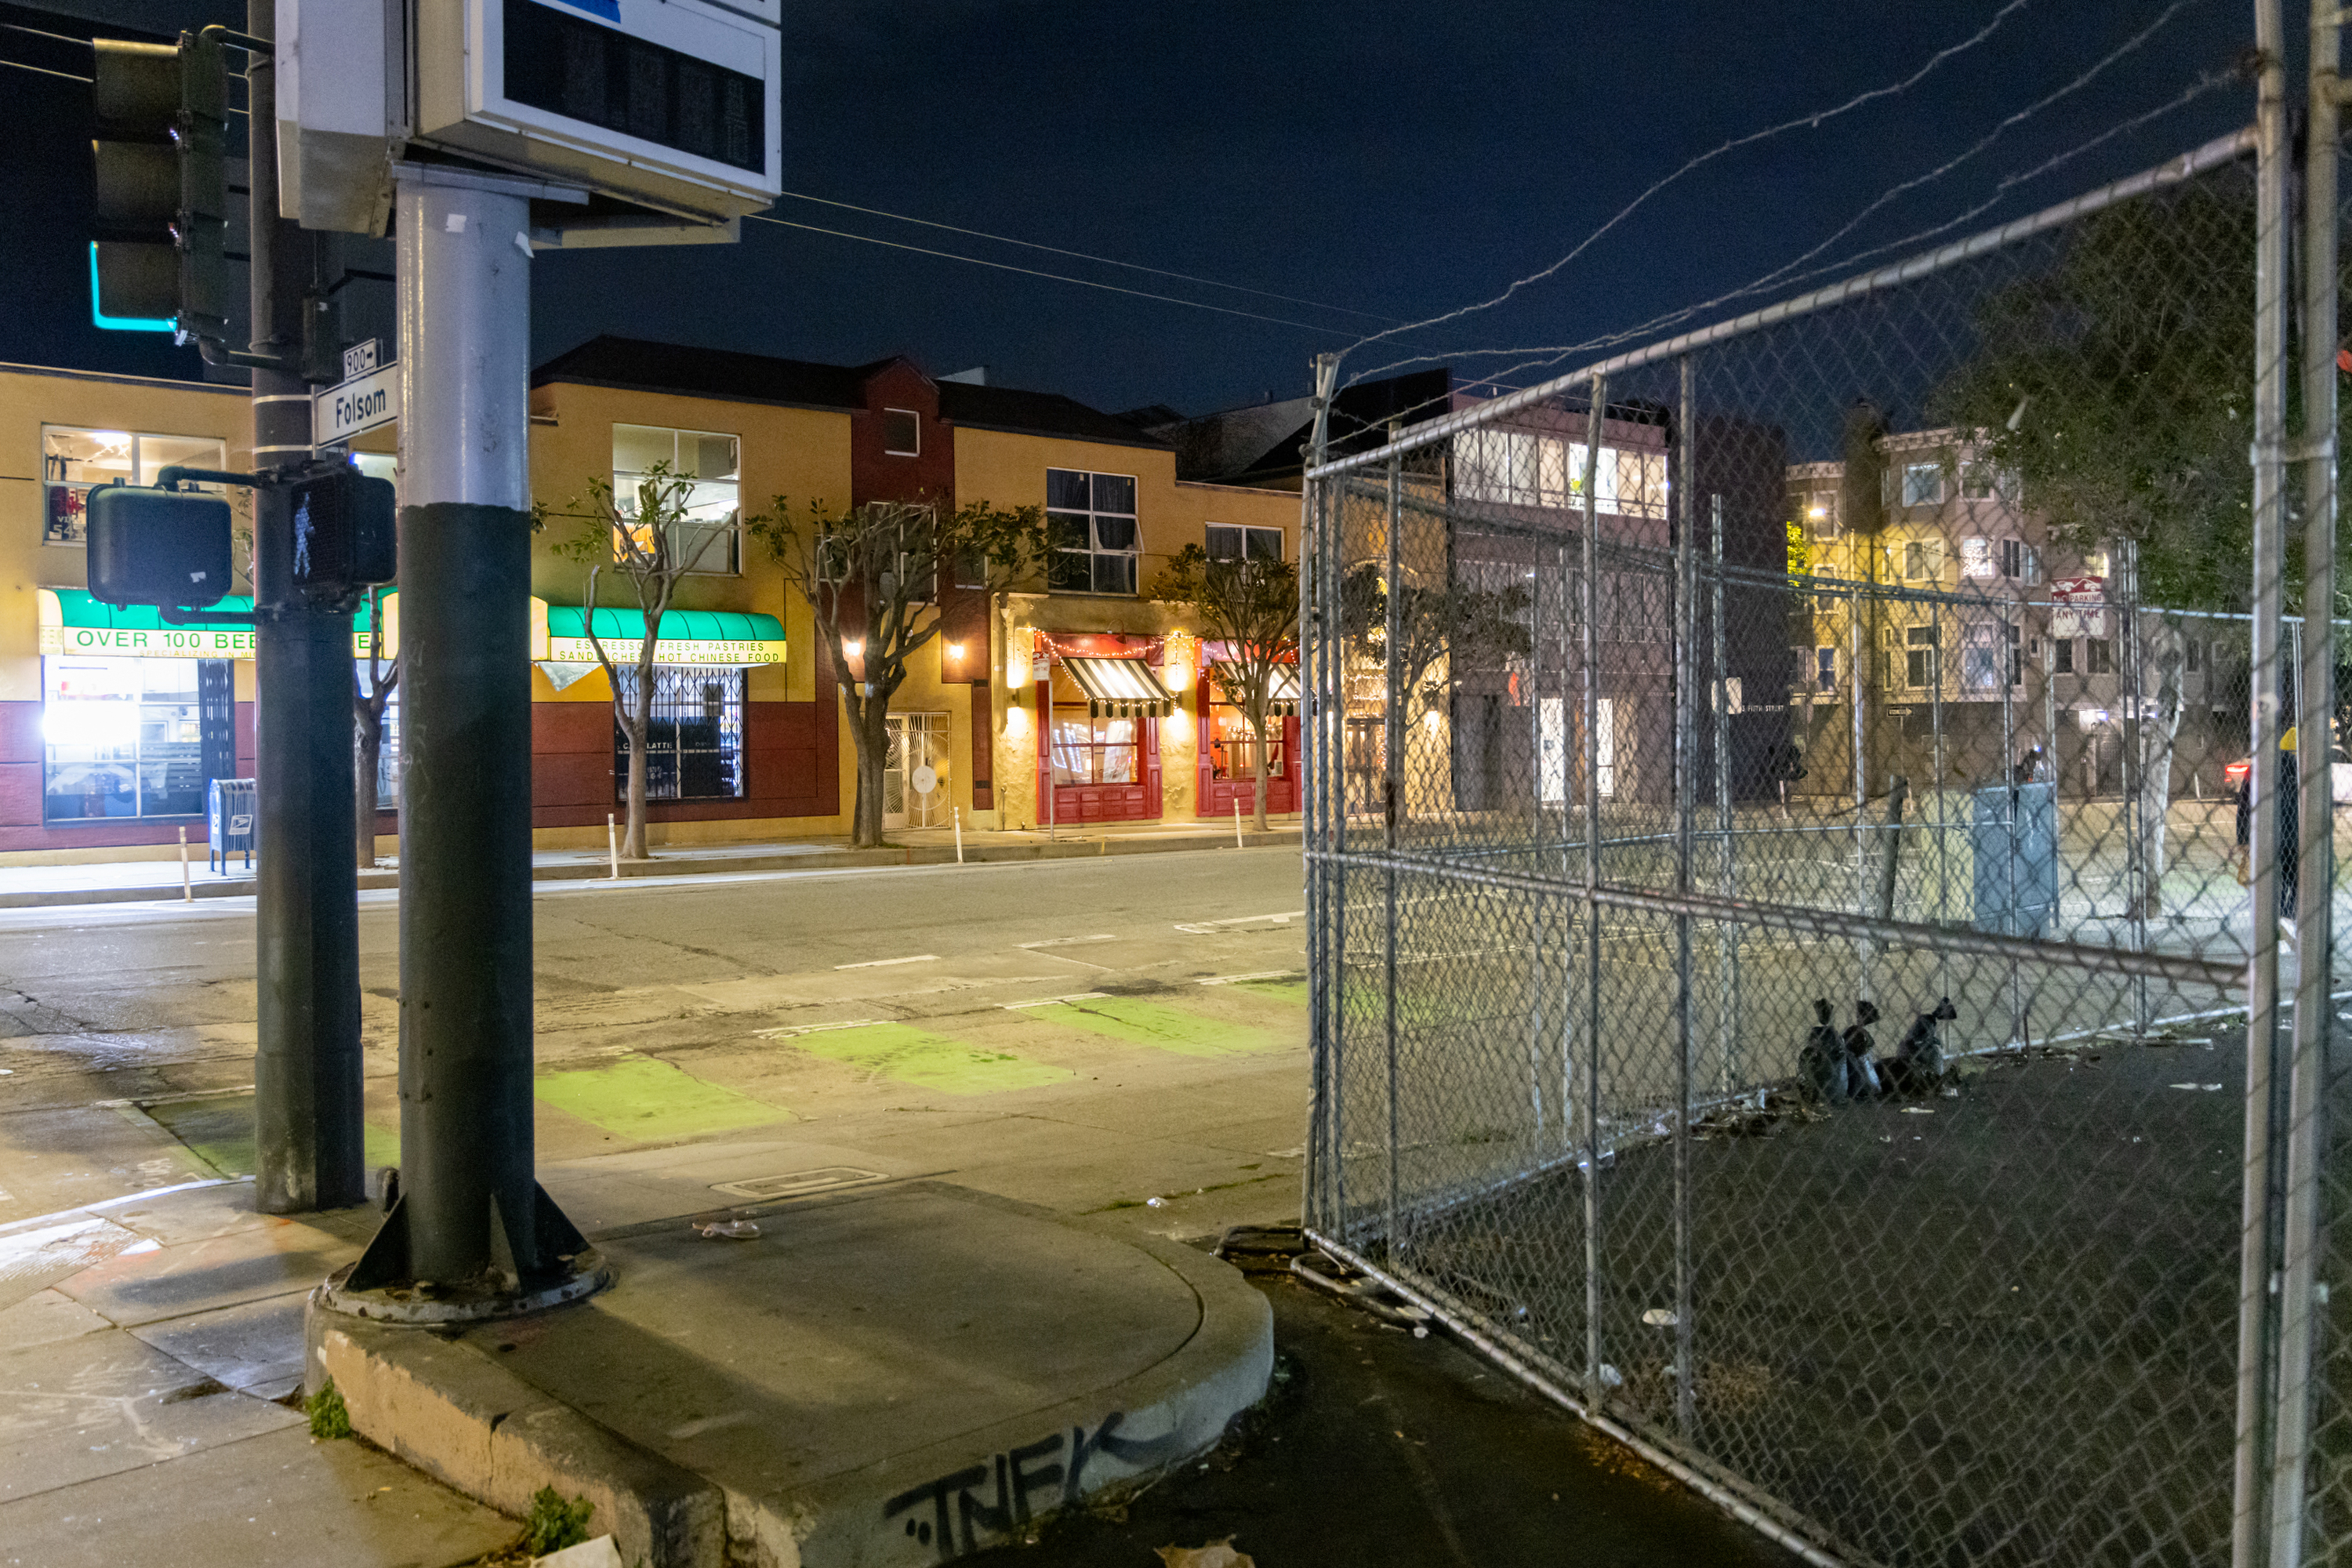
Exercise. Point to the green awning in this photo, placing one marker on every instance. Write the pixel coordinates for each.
(73, 621)
(721, 638)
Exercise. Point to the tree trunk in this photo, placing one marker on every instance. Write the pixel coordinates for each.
(640, 726)
(1258, 813)
(366, 756)
(869, 728)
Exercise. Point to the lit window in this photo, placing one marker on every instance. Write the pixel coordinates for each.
(694, 746)
(1923, 484)
(73, 461)
(1230, 543)
(708, 536)
(1091, 531)
(902, 433)
(1977, 559)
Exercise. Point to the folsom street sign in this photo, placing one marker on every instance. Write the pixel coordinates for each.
(358, 406)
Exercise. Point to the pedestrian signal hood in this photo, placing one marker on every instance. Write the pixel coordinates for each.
(166, 548)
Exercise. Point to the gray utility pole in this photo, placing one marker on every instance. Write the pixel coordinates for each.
(472, 1235)
(307, 1117)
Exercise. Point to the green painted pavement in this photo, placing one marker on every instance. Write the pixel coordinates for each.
(1163, 1028)
(1293, 991)
(930, 1061)
(218, 1130)
(652, 1101)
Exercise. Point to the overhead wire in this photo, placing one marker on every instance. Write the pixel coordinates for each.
(1055, 277)
(1541, 358)
(1812, 120)
(1088, 256)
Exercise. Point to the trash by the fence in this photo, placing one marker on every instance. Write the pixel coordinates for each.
(1611, 1377)
(1216, 1554)
(1916, 1111)
(2201, 1088)
(729, 1230)
(600, 1553)
(1659, 1317)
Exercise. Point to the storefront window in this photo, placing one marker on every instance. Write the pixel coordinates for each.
(1089, 751)
(123, 737)
(72, 461)
(694, 747)
(1232, 745)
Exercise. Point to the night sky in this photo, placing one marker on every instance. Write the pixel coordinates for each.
(1394, 159)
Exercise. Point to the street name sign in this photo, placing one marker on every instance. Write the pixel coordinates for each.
(356, 406)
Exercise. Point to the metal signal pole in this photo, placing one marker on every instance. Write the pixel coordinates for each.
(308, 1135)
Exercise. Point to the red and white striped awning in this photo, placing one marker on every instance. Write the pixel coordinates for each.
(1119, 687)
(1282, 690)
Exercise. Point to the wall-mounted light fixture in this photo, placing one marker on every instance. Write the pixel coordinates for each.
(852, 648)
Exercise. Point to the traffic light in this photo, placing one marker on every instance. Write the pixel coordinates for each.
(343, 531)
(162, 209)
(169, 548)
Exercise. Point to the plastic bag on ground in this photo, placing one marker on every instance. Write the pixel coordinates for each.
(1216, 1554)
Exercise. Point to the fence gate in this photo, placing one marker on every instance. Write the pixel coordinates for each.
(1783, 969)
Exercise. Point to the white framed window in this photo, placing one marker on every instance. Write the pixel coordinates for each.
(1922, 561)
(75, 461)
(1227, 541)
(709, 460)
(1091, 537)
(1923, 484)
(902, 433)
(1977, 562)
(1825, 668)
(2021, 561)
(1920, 657)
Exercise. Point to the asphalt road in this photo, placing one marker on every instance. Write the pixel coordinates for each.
(1008, 996)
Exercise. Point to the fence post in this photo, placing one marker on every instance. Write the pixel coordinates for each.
(1942, 777)
(1857, 654)
(1596, 1392)
(2010, 799)
(2138, 877)
(1726, 932)
(2251, 1469)
(1685, 634)
(2314, 882)
(1392, 790)
(1318, 634)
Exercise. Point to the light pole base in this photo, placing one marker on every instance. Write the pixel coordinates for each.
(546, 1263)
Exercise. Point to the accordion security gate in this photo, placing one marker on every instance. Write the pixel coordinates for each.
(1661, 709)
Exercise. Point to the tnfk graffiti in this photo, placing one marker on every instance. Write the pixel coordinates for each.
(1039, 1474)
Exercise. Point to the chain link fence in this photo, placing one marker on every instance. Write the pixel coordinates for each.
(1784, 884)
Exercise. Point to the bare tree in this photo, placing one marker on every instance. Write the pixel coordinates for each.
(651, 540)
(369, 700)
(1251, 604)
(874, 577)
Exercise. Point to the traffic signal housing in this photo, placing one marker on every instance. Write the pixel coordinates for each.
(345, 536)
(160, 219)
(166, 548)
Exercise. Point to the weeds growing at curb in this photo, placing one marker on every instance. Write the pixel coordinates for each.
(553, 1524)
(329, 1417)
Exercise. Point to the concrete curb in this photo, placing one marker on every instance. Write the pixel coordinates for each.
(453, 1413)
(440, 1402)
(690, 865)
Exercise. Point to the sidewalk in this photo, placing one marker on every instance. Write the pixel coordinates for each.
(860, 1384)
(134, 881)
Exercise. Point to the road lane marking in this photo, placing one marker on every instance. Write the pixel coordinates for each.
(794, 1031)
(1065, 940)
(1245, 979)
(886, 962)
(1211, 928)
(1052, 1001)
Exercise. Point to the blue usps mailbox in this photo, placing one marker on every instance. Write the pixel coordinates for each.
(228, 813)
